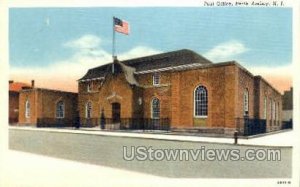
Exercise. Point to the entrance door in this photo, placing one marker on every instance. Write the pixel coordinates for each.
(116, 112)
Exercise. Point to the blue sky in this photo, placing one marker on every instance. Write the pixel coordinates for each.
(56, 46)
(252, 36)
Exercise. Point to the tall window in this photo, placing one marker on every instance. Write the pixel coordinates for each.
(274, 110)
(200, 101)
(271, 109)
(265, 108)
(88, 110)
(89, 87)
(27, 109)
(60, 109)
(277, 112)
(156, 78)
(155, 107)
(246, 102)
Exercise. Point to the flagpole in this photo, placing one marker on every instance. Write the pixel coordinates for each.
(113, 45)
(114, 39)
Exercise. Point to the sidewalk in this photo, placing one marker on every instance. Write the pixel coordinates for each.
(277, 139)
(30, 170)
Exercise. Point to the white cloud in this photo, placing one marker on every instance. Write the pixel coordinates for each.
(225, 51)
(63, 74)
(85, 42)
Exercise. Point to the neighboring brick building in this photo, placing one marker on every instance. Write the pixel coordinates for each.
(190, 91)
(287, 105)
(14, 89)
(44, 107)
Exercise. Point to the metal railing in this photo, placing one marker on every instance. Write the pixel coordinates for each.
(287, 124)
(87, 122)
(55, 122)
(107, 123)
(145, 124)
(250, 126)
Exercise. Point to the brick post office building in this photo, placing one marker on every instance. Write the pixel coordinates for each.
(47, 108)
(182, 86)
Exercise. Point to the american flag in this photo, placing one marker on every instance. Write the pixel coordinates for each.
(121, 26)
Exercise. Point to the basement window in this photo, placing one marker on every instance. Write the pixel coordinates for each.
(156, 79)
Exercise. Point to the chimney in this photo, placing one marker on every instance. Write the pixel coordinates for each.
(32, 83)
(115, 60)
(11, 81)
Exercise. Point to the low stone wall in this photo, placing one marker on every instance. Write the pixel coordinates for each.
(207, 130)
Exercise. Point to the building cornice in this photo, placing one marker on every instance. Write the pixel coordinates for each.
(93, 79)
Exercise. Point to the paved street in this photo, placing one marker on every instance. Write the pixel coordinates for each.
(107, 150)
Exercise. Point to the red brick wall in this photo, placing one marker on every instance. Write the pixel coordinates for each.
(114, 89)
(13, 107)
(176, 93)
(265, 90)
(49, 100)
(31, 96)
(258, 89)
(245, 81)
(225, 84)
(220, 84)
(161, 91)
(43, 105)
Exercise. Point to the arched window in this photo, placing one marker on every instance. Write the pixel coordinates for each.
(88, 110)
(27, 109)
(60, 109)
(155, 108)
(246, 102)
(200, 101)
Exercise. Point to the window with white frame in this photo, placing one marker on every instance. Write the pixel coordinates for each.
(200, 102)
(273, 110)
(156, 78)
(27, 109)
(246, 102)
(265, 108)
(155, 108)
(89, 87)
(60, 109)
(88, 110)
